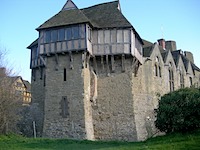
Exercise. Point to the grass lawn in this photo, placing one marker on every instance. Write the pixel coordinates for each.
(169, 142)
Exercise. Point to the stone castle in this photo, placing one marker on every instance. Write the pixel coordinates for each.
(95, 78)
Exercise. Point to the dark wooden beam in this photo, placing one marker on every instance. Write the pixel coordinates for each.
(42, 59)
(113, 63)
(102, 63)
(107, 65)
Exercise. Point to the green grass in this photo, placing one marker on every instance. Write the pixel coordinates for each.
(168, 142)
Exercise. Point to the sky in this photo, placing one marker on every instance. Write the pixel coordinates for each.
(177, 20)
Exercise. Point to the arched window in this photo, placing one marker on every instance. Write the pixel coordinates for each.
(160, 71)
(190, 81)
(157, 67)
(171, 77)
(181, 78)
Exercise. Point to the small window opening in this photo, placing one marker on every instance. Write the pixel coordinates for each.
(64, 107)
(160, 71)
(190, 81)
(44, 80)
(171, 80)
(181, 80)
(156, 70)
(65, 74)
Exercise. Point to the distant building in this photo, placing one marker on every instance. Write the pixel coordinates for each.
(96, 79)
(27, 92)
(20, 87)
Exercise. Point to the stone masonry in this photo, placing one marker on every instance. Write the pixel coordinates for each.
(99, 81)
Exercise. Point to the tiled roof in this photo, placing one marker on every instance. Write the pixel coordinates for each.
(106, 15)
(194, 67)
(33, 44)
(146, 43)
(164, 55)
(147, 48)
(28, 85)
(63, 18)
(185, 61)
(176, 56)
(147, 51)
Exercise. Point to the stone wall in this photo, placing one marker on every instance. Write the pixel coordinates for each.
(73, 125)
(38, 95)
(109, 103)
(196, 78)
(113, 113)
(148, 88)
(37, 87)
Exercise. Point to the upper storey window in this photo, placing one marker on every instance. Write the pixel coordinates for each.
(67, 33)
(34, 53)
(54, 35)
(47, 37)
(61, 33)
(75, 33)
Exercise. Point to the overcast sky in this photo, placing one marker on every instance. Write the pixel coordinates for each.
(177, 20)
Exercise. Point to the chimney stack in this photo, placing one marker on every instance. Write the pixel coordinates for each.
(161, 42)
(170, 45)
(189, 56)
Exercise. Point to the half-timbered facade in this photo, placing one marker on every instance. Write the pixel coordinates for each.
(96, 79)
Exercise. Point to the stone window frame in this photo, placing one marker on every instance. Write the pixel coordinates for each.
(157, 67)
(191, 81)
(171, 77)
(182, 81)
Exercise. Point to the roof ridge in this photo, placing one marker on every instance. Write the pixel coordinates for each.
(116, 1)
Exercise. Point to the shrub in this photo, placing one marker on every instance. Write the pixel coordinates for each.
(179, 111)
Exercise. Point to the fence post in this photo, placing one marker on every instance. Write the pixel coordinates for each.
(34, 130)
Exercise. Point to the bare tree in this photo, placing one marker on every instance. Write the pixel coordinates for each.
(9, 100)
